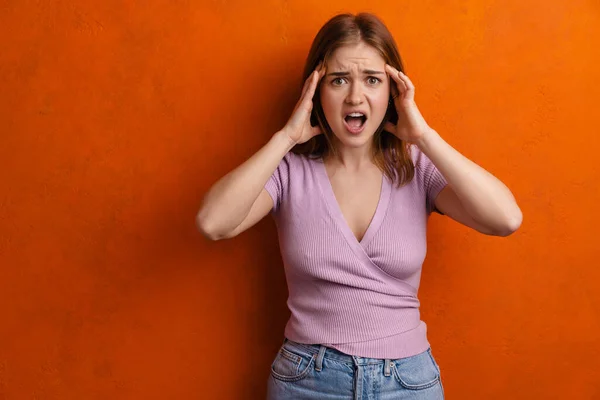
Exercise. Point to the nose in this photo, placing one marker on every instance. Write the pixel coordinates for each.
(355, 94)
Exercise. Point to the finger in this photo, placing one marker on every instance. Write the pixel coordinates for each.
(310, 91)
(402, 83)
(306, 84)
(304, 89)
(303, 94)
(322, 70)
(308, 80)
(394, 74)
(407, 81)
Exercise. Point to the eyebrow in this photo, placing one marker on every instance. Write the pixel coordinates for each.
(365, 72)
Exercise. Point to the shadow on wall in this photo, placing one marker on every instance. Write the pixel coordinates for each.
(265, 331)
(284, 78)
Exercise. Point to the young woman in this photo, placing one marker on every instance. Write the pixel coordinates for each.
(351, 180)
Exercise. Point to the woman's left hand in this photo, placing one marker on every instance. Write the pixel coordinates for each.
(411, 124)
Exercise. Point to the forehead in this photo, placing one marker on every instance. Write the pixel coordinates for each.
(356, 55)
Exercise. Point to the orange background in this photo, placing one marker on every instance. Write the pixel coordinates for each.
(116, 117)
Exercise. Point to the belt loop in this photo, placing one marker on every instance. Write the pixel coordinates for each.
(319, 362)
(387, 365)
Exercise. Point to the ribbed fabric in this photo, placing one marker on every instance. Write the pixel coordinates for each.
(357, 297)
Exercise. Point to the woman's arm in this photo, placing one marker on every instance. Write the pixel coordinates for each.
(229, 201)
(473, 196)
(238, 200)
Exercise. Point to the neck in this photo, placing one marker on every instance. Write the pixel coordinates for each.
(351, 158)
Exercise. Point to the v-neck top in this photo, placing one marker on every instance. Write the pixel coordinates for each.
(359, 297)
(336, 212)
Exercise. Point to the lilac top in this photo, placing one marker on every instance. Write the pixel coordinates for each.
(357, 297)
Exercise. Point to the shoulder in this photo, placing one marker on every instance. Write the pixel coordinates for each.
(297, 158)
(294, 169)
(289, 163)
(297, 163)
(419, 159)
(424, 167)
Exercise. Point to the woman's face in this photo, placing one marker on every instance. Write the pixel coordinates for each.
(356, 81)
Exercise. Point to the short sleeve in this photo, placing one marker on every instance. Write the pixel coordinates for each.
(432, 179)
(277, 184)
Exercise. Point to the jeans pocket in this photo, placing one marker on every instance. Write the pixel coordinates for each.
(433, 360)
(291, 365)
(416, 372)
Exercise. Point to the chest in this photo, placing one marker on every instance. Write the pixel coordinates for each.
(357, 197)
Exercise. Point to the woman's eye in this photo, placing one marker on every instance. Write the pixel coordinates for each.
(371, 80)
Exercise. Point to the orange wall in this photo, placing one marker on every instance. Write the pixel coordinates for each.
(116, 117)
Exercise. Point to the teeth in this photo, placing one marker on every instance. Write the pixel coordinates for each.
(356, 114)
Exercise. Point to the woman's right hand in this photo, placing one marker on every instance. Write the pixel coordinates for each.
(298, 127)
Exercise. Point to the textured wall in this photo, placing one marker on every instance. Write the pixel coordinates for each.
(116, 116)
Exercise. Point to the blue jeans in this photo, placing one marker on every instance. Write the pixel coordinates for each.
(305, 371)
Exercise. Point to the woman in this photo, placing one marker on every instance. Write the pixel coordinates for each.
(350, 181)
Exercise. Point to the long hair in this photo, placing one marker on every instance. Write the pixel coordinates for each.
(390, 154)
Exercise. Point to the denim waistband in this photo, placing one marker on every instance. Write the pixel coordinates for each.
(331, 353)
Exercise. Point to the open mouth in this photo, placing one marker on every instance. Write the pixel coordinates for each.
(355, 123)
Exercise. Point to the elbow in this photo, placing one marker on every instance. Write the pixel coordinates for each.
(205, 228)
(512, 224)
